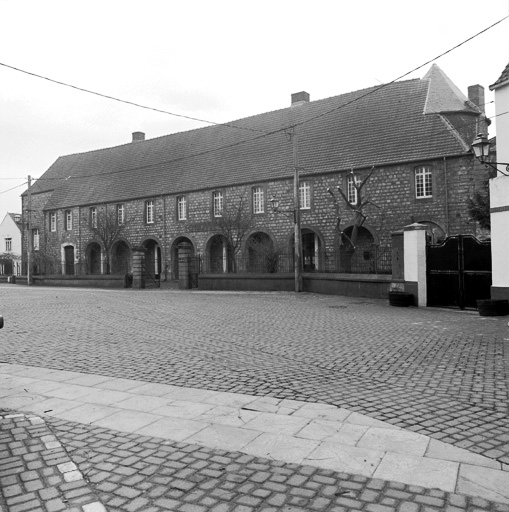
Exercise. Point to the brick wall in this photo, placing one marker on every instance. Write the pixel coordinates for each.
(391, 188)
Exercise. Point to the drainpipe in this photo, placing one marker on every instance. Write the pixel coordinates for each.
(446, 198)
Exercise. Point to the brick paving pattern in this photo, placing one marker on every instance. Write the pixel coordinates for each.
(36, 473)
(130, 473)
(443, 374)
(440, 373)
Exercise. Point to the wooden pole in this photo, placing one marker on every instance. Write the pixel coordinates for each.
(296, 214)
(29, 232)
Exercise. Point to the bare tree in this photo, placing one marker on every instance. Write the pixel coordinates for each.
(107, 230)
(359, 208)
(235, 222)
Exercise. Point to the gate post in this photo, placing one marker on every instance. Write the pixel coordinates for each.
(184, 252)
(138, 260)
(414, 237)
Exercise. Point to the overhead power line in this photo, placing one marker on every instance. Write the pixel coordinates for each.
(134, 104)
(232, 125)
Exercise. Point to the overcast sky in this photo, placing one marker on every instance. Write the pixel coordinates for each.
(217, 60)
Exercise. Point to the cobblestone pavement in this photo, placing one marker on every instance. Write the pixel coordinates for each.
(36, 473)
(437, 372)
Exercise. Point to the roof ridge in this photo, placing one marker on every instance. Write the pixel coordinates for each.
(230, 124)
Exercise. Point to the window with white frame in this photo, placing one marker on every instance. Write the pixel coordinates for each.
(35, 239)
(53, 222)
(120, 214)
(423, 182)
(352, 183)
(258, 200)
(149, 212)
(181, 208)
(68, 220)
(304, 195)
(217, 203)
(93, 217)
(8, 244)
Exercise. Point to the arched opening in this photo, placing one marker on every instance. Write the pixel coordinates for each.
(175, 256)
(152, 258)
(357, 251)
(219, 255)
(311, 250)
(68, 260)
(93, 258)
(121, 258)
(261, 255)
(434, 233)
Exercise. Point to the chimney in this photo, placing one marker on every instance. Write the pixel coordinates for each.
(476, 95)
(138, 136)
(299, 98)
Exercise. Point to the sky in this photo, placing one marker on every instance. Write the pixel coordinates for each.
(215, 60)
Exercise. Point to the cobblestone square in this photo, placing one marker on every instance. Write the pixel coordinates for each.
(439, 374)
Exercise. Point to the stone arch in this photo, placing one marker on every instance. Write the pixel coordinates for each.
(313, 258)
(121, 257)
(358, 259)
(261, 255)
(93, 258)
(153, 257)
(218, 255)
(68, 258)
(174, 270)
(435, 234)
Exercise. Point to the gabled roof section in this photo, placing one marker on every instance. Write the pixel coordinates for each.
(377, 126)
(502, 80)
(444, 95)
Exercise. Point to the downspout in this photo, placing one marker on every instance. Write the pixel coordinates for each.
(80, 261)
(446, 197)
(164, 270)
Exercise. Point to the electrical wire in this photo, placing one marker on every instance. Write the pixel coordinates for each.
(263, 134)
(132, 103)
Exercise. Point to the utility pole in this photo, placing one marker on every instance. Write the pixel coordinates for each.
(296, 215)
(29, 232)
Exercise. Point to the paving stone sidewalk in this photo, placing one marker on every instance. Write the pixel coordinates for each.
(130, 473)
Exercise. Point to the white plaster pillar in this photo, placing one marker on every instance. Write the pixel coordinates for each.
(414, 237)
(499, 208)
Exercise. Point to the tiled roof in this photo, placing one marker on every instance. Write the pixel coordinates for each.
(16, 217)
(371, 127)
(503, 78)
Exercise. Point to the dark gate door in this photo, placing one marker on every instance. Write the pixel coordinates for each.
(458, 272)
(69, 260)
(194, 270)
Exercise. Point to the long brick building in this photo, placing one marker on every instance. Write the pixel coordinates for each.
(413, 137)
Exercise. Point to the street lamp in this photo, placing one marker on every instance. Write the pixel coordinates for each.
(481, 150)
(295, 213)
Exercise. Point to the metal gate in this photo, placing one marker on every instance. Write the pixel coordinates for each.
(458, 272)
(194, 270)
